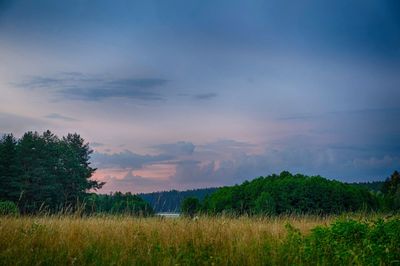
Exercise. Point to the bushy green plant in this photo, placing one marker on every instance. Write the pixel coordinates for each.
(352, 242)
(8, 208)
(190, 206)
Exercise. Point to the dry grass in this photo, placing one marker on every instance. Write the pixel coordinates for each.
(146, 241)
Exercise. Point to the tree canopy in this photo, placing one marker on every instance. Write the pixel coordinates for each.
(117, 203)
(391, 190)
(171, 201)
(190, 206)
(42, 171)
(287, 193)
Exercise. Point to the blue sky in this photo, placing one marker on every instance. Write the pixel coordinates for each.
(187, 94)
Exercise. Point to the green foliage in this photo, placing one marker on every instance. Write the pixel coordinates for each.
(10, 169)
(392, 184)
(345, 242)
(287, 193)
(8, 208)
(391, 190)
(44, 172)
(375, 186)
(352, 242)
(190, 206)
(117, 203)
(290, 252)
(265, 204)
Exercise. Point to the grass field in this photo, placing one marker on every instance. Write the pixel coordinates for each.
(203, 241)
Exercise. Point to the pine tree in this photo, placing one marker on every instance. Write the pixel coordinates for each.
(75, 179)
(9, 169)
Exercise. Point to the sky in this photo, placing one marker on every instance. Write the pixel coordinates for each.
(190, 94)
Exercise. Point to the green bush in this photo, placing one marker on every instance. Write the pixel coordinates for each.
(8, 208)
(190, 206)
(348, 242)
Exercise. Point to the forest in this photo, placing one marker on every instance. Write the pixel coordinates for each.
(298, 194)
(42, 173)
(170, 201)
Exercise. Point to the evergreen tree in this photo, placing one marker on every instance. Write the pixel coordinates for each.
(37, 175)
(75, 170)
(45, 172)
(391, 190)
(9, 169)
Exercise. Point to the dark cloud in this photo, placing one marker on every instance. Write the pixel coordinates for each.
(127, 159)
(367, 27)
(301, 153)
(78, 86)
(131, 182)
(130, 160)
(311, 161)
(205, 96)
(60, 117)
(192, 172)
(177, 149)
(297, 153)
(96, 94)
(373, 132)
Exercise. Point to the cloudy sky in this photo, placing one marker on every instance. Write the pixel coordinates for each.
(187, 94)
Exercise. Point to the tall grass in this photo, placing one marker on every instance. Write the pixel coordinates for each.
(122, 240)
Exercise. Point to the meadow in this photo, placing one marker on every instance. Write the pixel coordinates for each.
(122, 240)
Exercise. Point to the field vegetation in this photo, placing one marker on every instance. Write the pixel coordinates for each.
(124, 240)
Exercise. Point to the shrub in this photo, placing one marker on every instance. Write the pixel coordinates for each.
(190, 206)
(352, 242)
(8, 208)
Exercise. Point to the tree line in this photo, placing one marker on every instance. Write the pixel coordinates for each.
(42, 172)
(296, 194)
(170, 201)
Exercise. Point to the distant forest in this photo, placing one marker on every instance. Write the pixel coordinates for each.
(170, 201)
(375, 186)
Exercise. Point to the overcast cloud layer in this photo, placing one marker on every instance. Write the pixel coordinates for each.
(185, 94)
